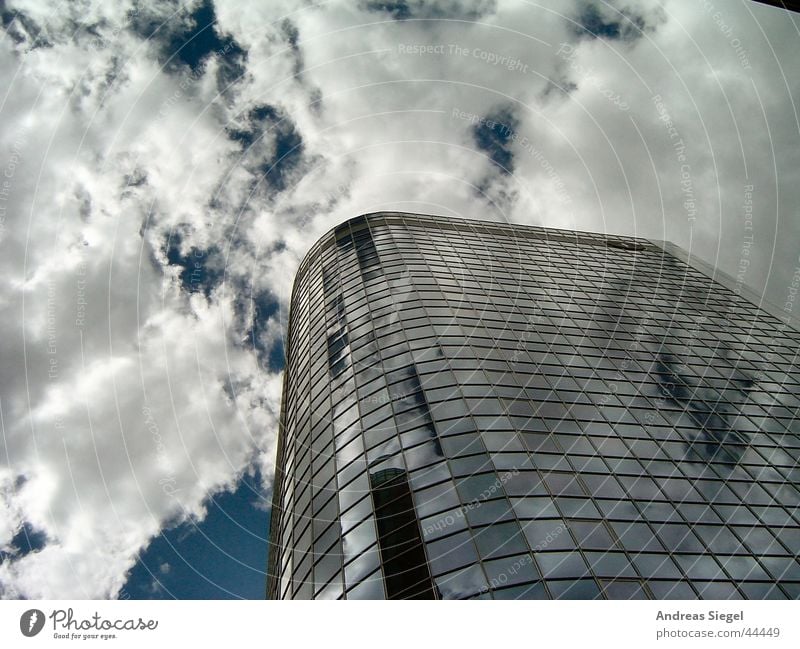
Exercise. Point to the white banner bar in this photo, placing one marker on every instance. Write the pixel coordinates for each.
(375, 625)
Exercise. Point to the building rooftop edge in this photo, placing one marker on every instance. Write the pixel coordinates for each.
(546, 230)
(713, 273)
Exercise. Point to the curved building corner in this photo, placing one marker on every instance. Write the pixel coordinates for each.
(479, 410)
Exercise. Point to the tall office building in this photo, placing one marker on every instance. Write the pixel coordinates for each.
(478, 410)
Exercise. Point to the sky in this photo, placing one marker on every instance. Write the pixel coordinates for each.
(166, 165)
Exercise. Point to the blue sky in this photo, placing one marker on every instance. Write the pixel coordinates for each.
(165, 166)
(222, 557)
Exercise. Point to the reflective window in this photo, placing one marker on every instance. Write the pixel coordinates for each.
(623, 589)
(578, 589)
(571, 417)
(462, 583)
(511, 571)
(499, 539)
(592, 535)
(551, 534)
(370, 588)
(452, 552)
(560, 565)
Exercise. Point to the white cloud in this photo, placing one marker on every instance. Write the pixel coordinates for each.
(125, 401)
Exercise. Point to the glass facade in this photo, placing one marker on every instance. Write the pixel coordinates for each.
(477, 410)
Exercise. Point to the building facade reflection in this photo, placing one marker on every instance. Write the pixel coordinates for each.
(475, 410)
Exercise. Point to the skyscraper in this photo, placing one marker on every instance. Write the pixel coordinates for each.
(474, 409)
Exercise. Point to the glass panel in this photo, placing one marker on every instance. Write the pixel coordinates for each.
(499, 539)
(541, 507)
(760, 540)
(504, 462)
(656, 566)
(465, 466)
(371, 588)
(610, 564)
(501, 441)
(324, 570)
(718, 538)
(755, 590)
(678, 538)
(429, 475)
(578, 589)
(782, 568)
(511, 571)
(636, 537)
(362, 566)
(389, 448)
(423, 455)
(353, 484)
(603, 486)
(358, 540)
(551, 534)
(435, 499)
(700, 566)
(563, 484)
(350, 452)
(671, 590)
(332, 591)
(480, 487)
(559, 565)
(743, 568)
(526, 591)
(452, 552)
(356, 514)
(717, 590)
(524, 483)
(592, 535)
(623, 590)
(462, 583)
(491, 511)
(577, 508)
(434, 527)
(466, 444)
